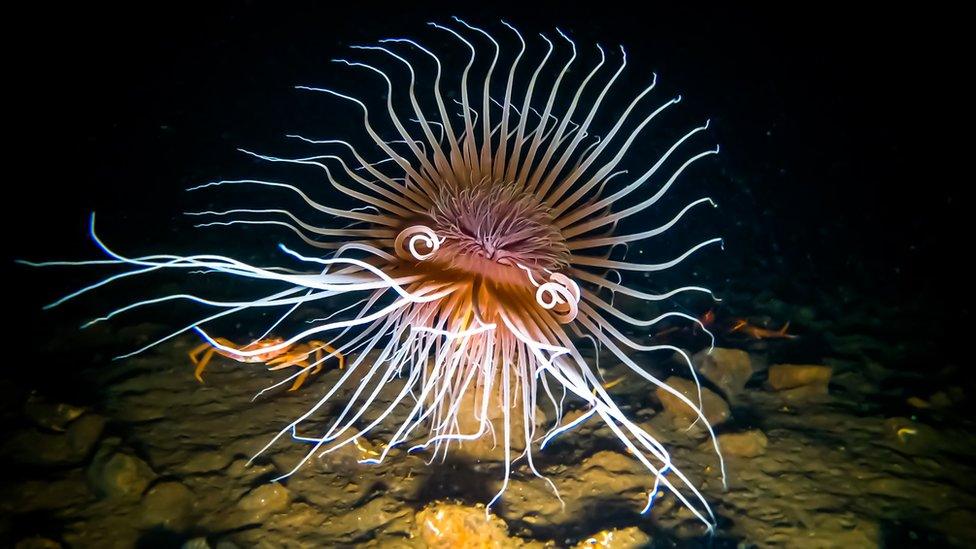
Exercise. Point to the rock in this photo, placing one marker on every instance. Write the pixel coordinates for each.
(625, 538)
(606, 475)
(485, 447)
(84, 433)
(574, 415)
(196, 543)
(301, 516)
(690, 529)
(50, 415)
(729, 369)
(37, 543)
(856, 345)
(714, 407)
(31, 447)
(913, 437)
(350, 454)
(855, 383)
(959, 526)
(381, 512)
(447, 525)
(206, 462)
(956, 393)
(791, 376)
(115, 474)
(664, 503)
(919, 403)
(804, 394)
(940, 399)
(745, 444)
(168, 504)
(611, 462)
(264, 501)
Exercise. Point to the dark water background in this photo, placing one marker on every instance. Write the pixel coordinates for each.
(836, 180)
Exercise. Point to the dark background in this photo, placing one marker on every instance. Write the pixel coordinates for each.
(835, 175)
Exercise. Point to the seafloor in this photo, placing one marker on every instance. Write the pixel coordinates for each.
(842, 449)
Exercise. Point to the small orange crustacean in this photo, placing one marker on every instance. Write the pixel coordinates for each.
(292, 355)
(743, 326)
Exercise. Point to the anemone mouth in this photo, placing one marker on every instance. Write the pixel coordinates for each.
(500, 223)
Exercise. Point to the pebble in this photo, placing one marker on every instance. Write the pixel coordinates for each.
(729, 369)
(745, 444)
(32, 447)
(714, 407)
(264, 501)
(196, 543)
(790, 376)
(167, 504)
(50, 415)
(84, 433)
(37, 543)
(116, 474)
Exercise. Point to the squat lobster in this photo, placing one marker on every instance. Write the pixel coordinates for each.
(293, 355)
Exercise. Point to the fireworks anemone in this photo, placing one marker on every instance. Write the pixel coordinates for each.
(479, 255)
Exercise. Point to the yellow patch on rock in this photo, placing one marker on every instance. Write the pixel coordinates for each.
(790, 376)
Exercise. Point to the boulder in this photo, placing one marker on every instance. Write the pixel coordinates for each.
(714, 407)
(729, 369)
(791, 376)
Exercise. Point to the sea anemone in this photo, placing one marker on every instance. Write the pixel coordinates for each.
(480, 255)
